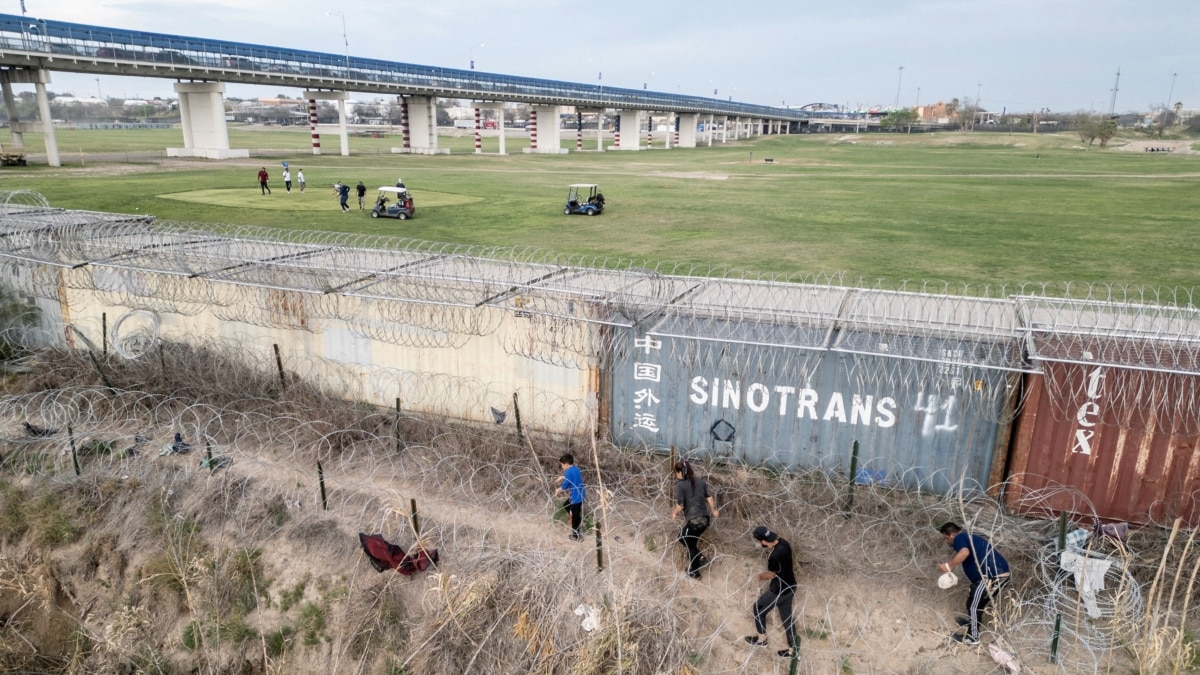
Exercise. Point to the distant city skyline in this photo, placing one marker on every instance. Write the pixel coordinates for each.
(1018, 55)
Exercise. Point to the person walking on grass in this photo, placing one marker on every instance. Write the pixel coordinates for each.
(300, 178)
(571, 482)
(362, 195)
(781, 573)
(287, 179)
(696, 505)
(343, 194)
(263, 177)
(984, 567)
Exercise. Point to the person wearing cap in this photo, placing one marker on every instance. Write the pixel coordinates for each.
(781, 572)
(983, 566)
(400, 183)
(697, 506)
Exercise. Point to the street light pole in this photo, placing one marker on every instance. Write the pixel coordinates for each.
(471, 56)
(898, 81)
(345, 40)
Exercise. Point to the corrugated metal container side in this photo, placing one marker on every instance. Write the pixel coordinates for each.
(921, 425)
(1120, 455)
(464, 379)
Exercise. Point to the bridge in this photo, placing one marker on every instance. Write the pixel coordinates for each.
(30, 49)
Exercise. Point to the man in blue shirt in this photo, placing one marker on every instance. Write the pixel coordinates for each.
(983, 566)
(571, 482)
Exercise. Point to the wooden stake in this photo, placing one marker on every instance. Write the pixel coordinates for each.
(1062, 544)
(104, 332)
(517, 416)
(279, 366)
(74, 455)
(853, 477)
(396, 424)
(416, 522)
(321, 479)
(599, 549)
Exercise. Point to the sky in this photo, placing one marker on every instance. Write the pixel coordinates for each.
(1013, 55)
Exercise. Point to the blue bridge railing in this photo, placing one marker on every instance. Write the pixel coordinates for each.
(77, 47)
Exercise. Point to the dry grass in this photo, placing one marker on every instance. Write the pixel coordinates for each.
(189, 568)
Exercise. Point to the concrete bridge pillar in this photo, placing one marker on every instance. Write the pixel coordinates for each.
(340, 97)
(202, 112)
(599, 113)
(15, 126)
(708, 130)
(419, 125)
(686, 129)
(545, 134)
(629, 121)
(38, 77)
(498, 108)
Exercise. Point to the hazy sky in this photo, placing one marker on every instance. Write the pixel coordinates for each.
(1017, 55)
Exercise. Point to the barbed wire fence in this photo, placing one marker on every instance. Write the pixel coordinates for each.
(227, 397)
(472, 480)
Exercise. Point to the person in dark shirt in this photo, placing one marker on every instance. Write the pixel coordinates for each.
(343, 193)
(362, 194)
(263, 177)
(697, 506)
(781, 572)
(983, 566)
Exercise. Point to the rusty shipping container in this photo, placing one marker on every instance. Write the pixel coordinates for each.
(1108, 442)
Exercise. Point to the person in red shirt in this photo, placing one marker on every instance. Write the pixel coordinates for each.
(263, 177)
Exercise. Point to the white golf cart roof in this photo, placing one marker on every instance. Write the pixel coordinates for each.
(583, 185)
(395, 190)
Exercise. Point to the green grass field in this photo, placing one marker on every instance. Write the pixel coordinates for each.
(978, 208)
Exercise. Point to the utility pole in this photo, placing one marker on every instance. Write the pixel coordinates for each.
(1112, 103)
(1170, 94)
(898, 81)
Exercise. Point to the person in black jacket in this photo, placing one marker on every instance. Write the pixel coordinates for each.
(698, 509)
(781, 572)
(362, 195)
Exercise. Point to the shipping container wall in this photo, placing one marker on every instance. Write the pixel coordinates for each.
(366, 357)
(1097, 431)
(921, 425)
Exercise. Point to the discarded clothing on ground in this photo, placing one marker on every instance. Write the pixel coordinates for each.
(176, 447)
(386, 556)
(38, 432)
(213, 463)
(1089, 578)
(1007, 661)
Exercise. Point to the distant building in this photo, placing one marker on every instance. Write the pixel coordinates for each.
(933, 114)
(90, 101)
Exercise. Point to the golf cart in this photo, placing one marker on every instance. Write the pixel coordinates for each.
(584, 198)
(393, 202)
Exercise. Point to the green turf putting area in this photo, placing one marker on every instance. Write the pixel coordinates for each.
(313, 199)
